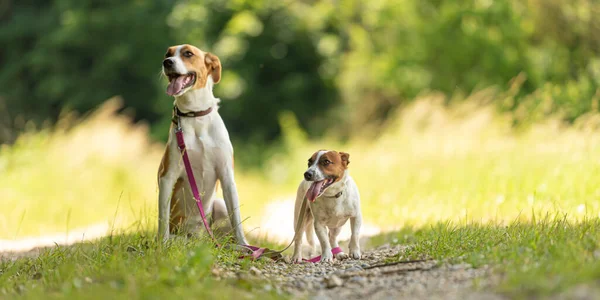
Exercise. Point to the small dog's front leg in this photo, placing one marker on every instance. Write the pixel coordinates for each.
(354, 246)
(165, 189)
(321, 230)
(310, 234)
(333, 234)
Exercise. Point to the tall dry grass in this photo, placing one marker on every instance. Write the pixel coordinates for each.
(96, 170)
(430, 163)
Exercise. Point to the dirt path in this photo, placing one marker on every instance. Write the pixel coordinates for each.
(33, 246)
(369, 279)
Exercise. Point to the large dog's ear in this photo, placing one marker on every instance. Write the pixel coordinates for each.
(345, 159)
(214, 66)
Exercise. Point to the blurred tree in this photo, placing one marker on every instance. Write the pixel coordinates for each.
(270, 64)
(403, 48)
(332, 63)
(76, 54)
(565, 54)
(399, 49)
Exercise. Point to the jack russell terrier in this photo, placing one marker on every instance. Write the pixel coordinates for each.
(333, 199)
(192, 74)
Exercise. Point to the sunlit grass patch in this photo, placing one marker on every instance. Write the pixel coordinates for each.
(127, 267)
(543, 257)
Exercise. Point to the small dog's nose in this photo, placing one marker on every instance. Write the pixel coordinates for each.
(167, 63)
(308, 176)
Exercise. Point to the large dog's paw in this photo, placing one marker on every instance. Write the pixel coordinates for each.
(326, 257)
(243, 242)
(296, 259)
(355, 253)
(164, 238)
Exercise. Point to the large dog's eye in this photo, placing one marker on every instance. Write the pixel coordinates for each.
(188, 54)
(326, 162)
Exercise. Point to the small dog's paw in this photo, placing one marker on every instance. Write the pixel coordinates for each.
(355, 253)
(341, 256)
(327, 257)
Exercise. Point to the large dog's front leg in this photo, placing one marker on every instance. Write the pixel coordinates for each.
(233, 205)
(165, 189)
(354, 246)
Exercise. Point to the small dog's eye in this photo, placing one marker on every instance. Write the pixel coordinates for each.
(326, 162)
(188, 54)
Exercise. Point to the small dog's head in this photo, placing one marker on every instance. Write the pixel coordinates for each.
(324, 169)
(188, 67)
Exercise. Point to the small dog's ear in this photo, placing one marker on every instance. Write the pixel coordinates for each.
(345, 159)
(214, 66)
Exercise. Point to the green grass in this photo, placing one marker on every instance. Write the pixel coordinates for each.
(535, 259)
(128, 267)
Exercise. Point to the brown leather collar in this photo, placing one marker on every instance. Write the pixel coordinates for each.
(336, 195)
(192, 114)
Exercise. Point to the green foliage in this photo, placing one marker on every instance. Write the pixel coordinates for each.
(76, 54)
(458, 46)
(270, 61)
(334, 64)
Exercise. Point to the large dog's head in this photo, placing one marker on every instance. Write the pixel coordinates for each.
(188, 67)
(324, 169)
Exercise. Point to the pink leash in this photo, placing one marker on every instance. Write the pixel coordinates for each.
(257, 252)
(192, 180)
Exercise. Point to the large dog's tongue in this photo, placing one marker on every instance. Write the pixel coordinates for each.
(314, 189)
(176, 85)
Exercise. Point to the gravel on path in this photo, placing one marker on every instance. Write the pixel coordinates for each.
(370, 278)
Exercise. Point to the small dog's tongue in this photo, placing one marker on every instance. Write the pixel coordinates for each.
(175, 85)
(314, 189)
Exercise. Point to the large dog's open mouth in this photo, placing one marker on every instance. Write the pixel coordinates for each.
(317, 188)
(178, 83)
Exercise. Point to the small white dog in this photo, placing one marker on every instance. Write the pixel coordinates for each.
(192, 73)
(333, 199)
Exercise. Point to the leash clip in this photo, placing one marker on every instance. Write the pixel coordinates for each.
(178, 128)
(179, 134)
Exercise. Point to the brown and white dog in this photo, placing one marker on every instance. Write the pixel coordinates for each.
(192, 74)
(333, 199)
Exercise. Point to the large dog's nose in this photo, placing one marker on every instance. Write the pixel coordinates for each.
(167, 63)
(308, 176)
